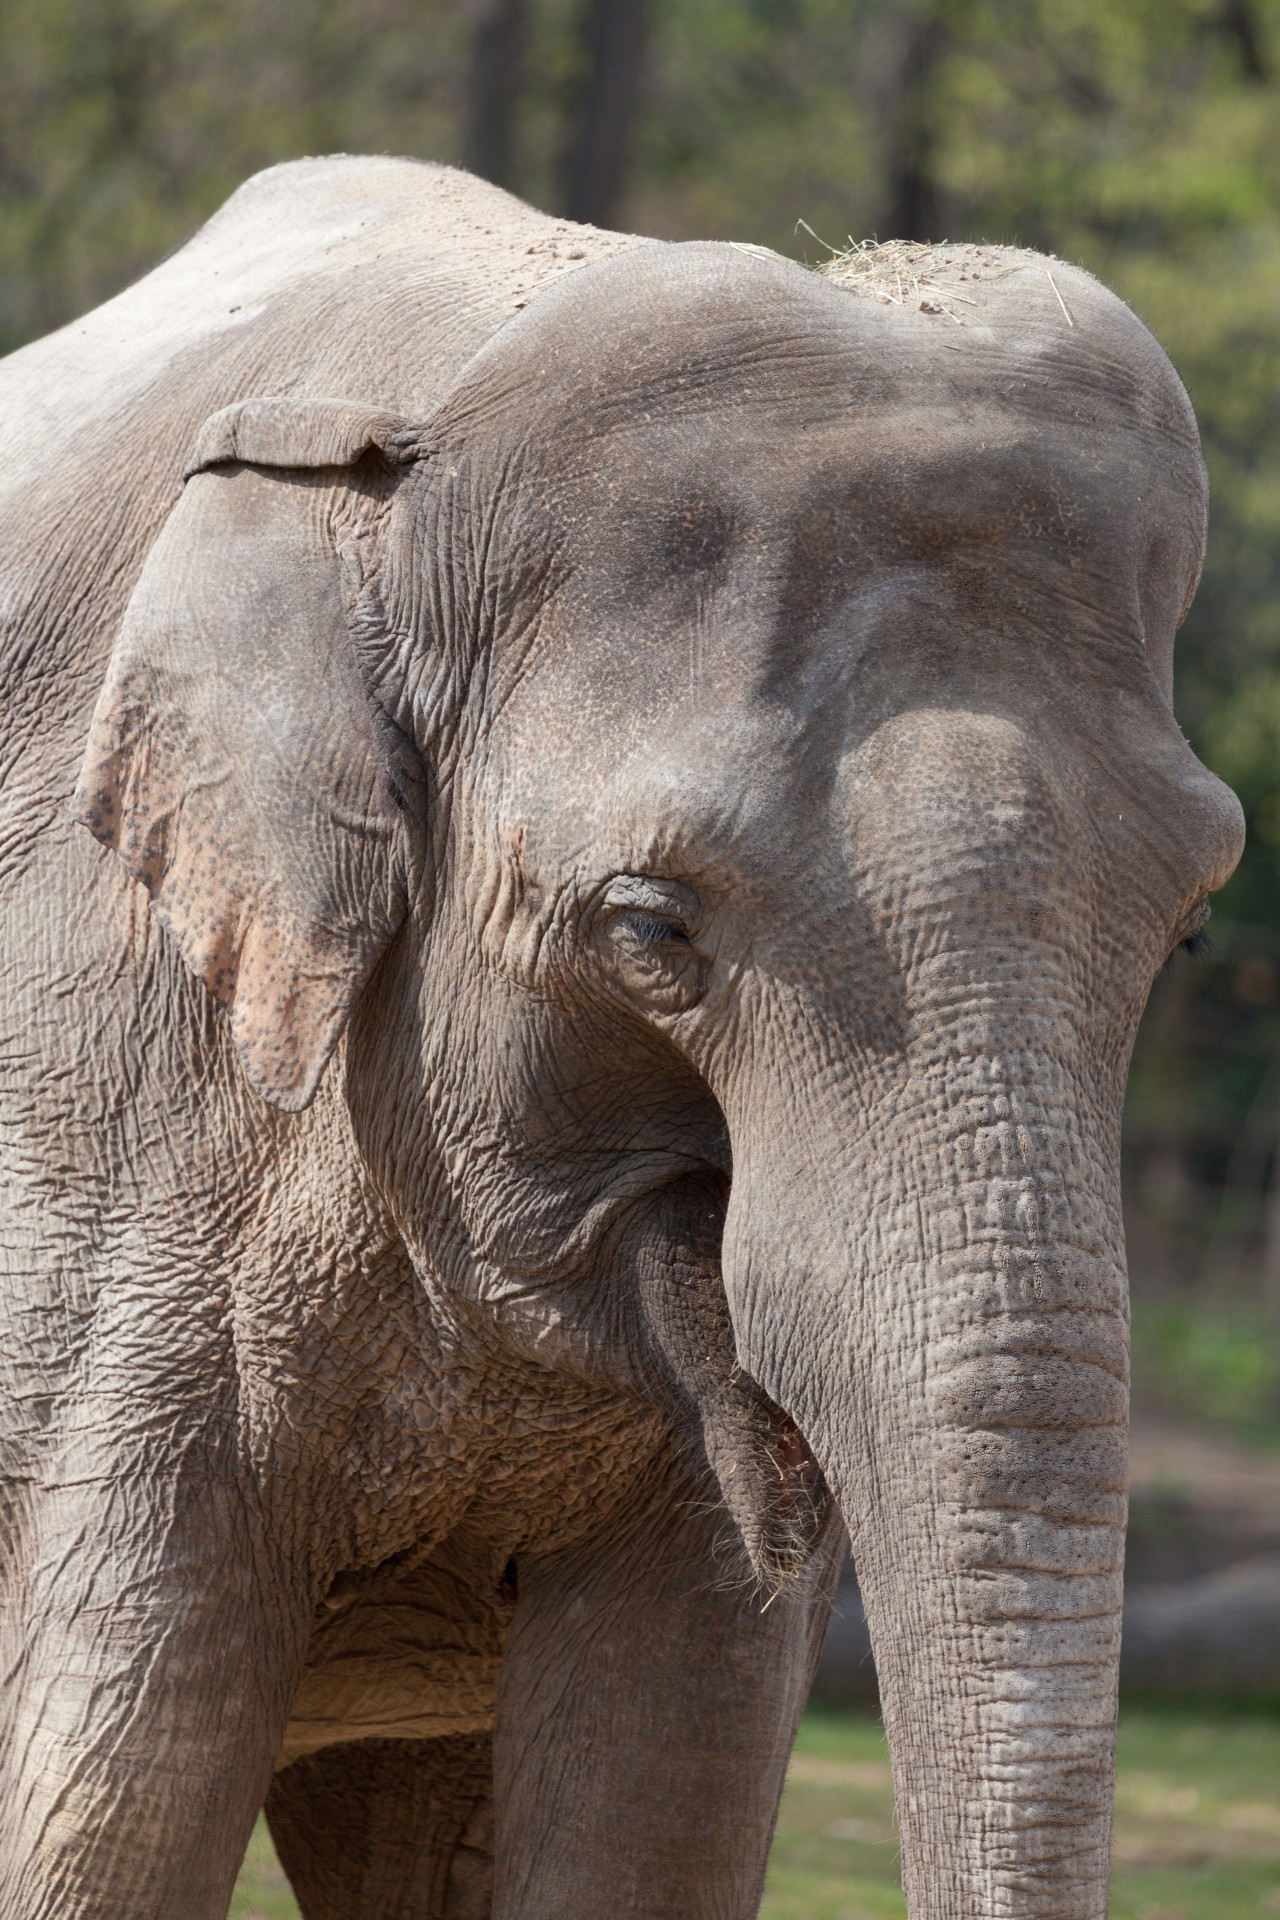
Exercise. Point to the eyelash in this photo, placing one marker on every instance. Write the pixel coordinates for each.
(654, 932)
(1199, 945)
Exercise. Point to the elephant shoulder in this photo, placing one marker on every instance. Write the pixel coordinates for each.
(366, 278)
(374, 277)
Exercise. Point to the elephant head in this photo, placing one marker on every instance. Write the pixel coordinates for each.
(720, 770)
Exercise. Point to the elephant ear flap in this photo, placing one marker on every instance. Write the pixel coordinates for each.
(282, 432)
(237, 763)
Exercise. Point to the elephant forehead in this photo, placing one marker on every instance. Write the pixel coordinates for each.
(759, 516)
(700, 328)
(773, 505)
(687, 436)
(797, 623)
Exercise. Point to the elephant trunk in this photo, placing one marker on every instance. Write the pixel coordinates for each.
(945, 1320)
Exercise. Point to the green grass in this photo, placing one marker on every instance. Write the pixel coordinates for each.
(836, 1852)
(1197, 1832)
(262, 1892)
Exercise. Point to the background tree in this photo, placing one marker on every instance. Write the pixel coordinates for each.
(495, 83)
(613, 35)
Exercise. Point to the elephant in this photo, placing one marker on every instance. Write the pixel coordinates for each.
(587, 825)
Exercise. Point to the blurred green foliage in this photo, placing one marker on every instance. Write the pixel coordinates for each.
(1137, 137)
(1212, 1361)
(124, 123)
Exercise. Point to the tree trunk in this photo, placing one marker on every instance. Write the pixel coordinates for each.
(613, 33)
(911, 191)
(1241, 25)
(494, 82)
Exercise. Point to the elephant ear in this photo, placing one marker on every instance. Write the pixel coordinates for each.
(237, 763)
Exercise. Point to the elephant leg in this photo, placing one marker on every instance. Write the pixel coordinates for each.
(388, 1829)
(154, 1646)
(646, 1711)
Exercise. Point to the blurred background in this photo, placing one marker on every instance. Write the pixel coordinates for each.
(1138, 137)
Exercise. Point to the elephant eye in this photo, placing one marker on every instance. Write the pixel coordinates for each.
(1194, 936)
(649, 931)
(650, 923)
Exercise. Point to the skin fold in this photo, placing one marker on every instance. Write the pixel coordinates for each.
(585, 829)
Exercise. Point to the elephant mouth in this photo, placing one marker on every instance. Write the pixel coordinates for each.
(771, 1485)
(802, 1499)
(791, 1449)
(786, 1503)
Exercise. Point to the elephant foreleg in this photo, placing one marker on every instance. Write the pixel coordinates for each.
(157, 1648)
(388, 1829)
(646, 1711)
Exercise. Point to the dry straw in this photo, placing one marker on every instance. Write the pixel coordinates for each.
(918, 274)
(906, 273)
(911, 273)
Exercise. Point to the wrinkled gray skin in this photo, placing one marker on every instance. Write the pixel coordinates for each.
(690, 746)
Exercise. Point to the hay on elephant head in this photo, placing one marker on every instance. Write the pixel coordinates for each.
(920, 274)
(899, 270)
